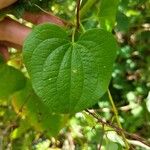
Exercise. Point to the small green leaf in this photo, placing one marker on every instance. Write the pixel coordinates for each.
(69, 76)
(107, 13)
(28, 104)
(11, 80)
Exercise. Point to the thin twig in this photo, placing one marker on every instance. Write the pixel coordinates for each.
(78, 15)
(117, 129)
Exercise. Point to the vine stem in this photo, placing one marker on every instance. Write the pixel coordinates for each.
(78, 15)
(117, 120)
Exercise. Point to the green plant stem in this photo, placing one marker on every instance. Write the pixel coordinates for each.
(86, 8)
(117, 119)
(73, 34)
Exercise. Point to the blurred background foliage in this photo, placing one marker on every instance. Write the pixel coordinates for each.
(24, 128)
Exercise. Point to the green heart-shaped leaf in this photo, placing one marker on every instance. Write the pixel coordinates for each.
(69, 76)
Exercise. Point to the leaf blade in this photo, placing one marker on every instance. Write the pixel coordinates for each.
(68, 76)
